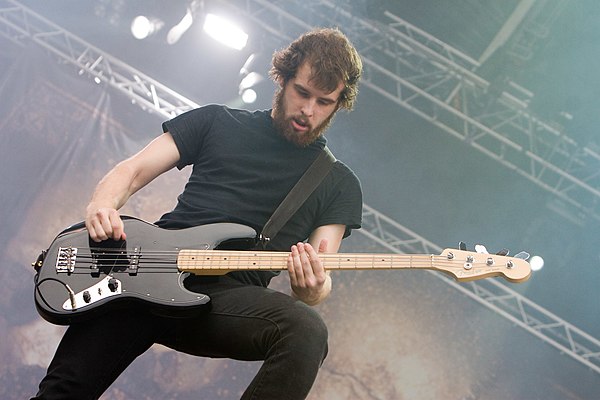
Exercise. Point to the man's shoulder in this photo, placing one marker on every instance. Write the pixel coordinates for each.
(235, 112)
(341, 168)
(225, 115)
(341, 173)
(228, 114)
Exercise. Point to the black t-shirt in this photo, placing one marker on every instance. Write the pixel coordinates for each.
(243, 169)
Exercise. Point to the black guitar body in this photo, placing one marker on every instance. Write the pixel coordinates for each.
(78, 279)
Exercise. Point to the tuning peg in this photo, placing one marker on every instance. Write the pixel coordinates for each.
(503, 252)
(479, 248)
(523, 255)
(462, 246)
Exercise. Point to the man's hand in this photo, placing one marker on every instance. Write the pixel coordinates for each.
(308, 279)
(104, 223)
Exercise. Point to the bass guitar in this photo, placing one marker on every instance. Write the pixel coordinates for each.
(78, 278)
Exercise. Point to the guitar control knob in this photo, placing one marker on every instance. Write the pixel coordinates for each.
(113, 284)
(87, 297)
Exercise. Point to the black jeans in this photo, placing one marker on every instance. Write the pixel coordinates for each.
(246, 323)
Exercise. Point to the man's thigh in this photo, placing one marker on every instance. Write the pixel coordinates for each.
(244, 323)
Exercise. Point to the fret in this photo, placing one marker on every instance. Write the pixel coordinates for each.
(462, 265)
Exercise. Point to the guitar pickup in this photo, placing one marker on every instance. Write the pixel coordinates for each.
(65, 260)
(114, 257)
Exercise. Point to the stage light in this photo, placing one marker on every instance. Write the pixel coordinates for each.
(178, 30)
(247, 67)
(249, 96)
(225, 32)
(191, 13)
(142, 27)
(536, 263)
(250, 80)
(245, 87)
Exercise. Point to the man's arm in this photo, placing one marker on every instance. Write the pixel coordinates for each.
(308, 279)
(112, 192)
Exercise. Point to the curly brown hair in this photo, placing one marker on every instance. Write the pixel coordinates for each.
(333, 60)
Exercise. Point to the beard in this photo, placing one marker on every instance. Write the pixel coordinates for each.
(283, 124)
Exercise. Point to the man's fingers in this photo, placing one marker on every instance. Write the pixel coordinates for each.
(307, 256)
(299, 265)
(296, 275)
(304, 266)
(96, 231)
(104, 224)
(306, 271)
(118, 229)
(92, 233)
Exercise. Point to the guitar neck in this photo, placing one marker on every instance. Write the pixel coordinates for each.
(462, 265)
(218, 262)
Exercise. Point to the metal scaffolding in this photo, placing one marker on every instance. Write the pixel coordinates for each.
(20, 25)
(418, 72)
(490, 292)
(435, 81)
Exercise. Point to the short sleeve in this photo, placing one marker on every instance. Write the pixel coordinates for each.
(189, 131)
(344, 203)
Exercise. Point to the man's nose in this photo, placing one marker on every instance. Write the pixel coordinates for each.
(308, 107)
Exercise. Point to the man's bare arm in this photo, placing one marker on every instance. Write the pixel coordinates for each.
(112, 192)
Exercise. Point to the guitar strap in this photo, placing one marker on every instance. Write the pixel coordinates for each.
(298, 195)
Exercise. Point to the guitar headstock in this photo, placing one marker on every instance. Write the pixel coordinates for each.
(467, 266)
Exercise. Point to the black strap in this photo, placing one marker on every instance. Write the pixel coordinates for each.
(299, 193)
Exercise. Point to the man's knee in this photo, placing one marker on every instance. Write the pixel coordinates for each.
(309, 331)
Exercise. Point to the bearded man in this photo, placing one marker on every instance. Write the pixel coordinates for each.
(243, 165)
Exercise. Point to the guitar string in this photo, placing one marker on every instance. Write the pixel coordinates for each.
(257, 257)
(365, 262)
(262, 256)
(224, 255)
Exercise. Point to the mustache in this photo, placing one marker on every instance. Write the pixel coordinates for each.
(302, 119)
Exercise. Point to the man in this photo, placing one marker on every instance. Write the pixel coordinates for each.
(244, 164)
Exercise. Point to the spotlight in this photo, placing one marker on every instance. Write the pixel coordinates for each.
(186, 22)
(246, 68)
(245, 87)
(178, 30)
(536, 263)
(142, 27)
(249, 96)
(250, 80)
(225, 32)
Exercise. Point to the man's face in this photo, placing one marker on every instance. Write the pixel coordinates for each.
(301, 111)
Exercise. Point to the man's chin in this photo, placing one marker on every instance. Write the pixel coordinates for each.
(301, 139)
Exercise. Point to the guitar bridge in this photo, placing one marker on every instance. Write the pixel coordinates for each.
(65, 261)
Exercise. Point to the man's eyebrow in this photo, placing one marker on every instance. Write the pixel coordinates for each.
(327, 100)
(323, 99)
(302, 88)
